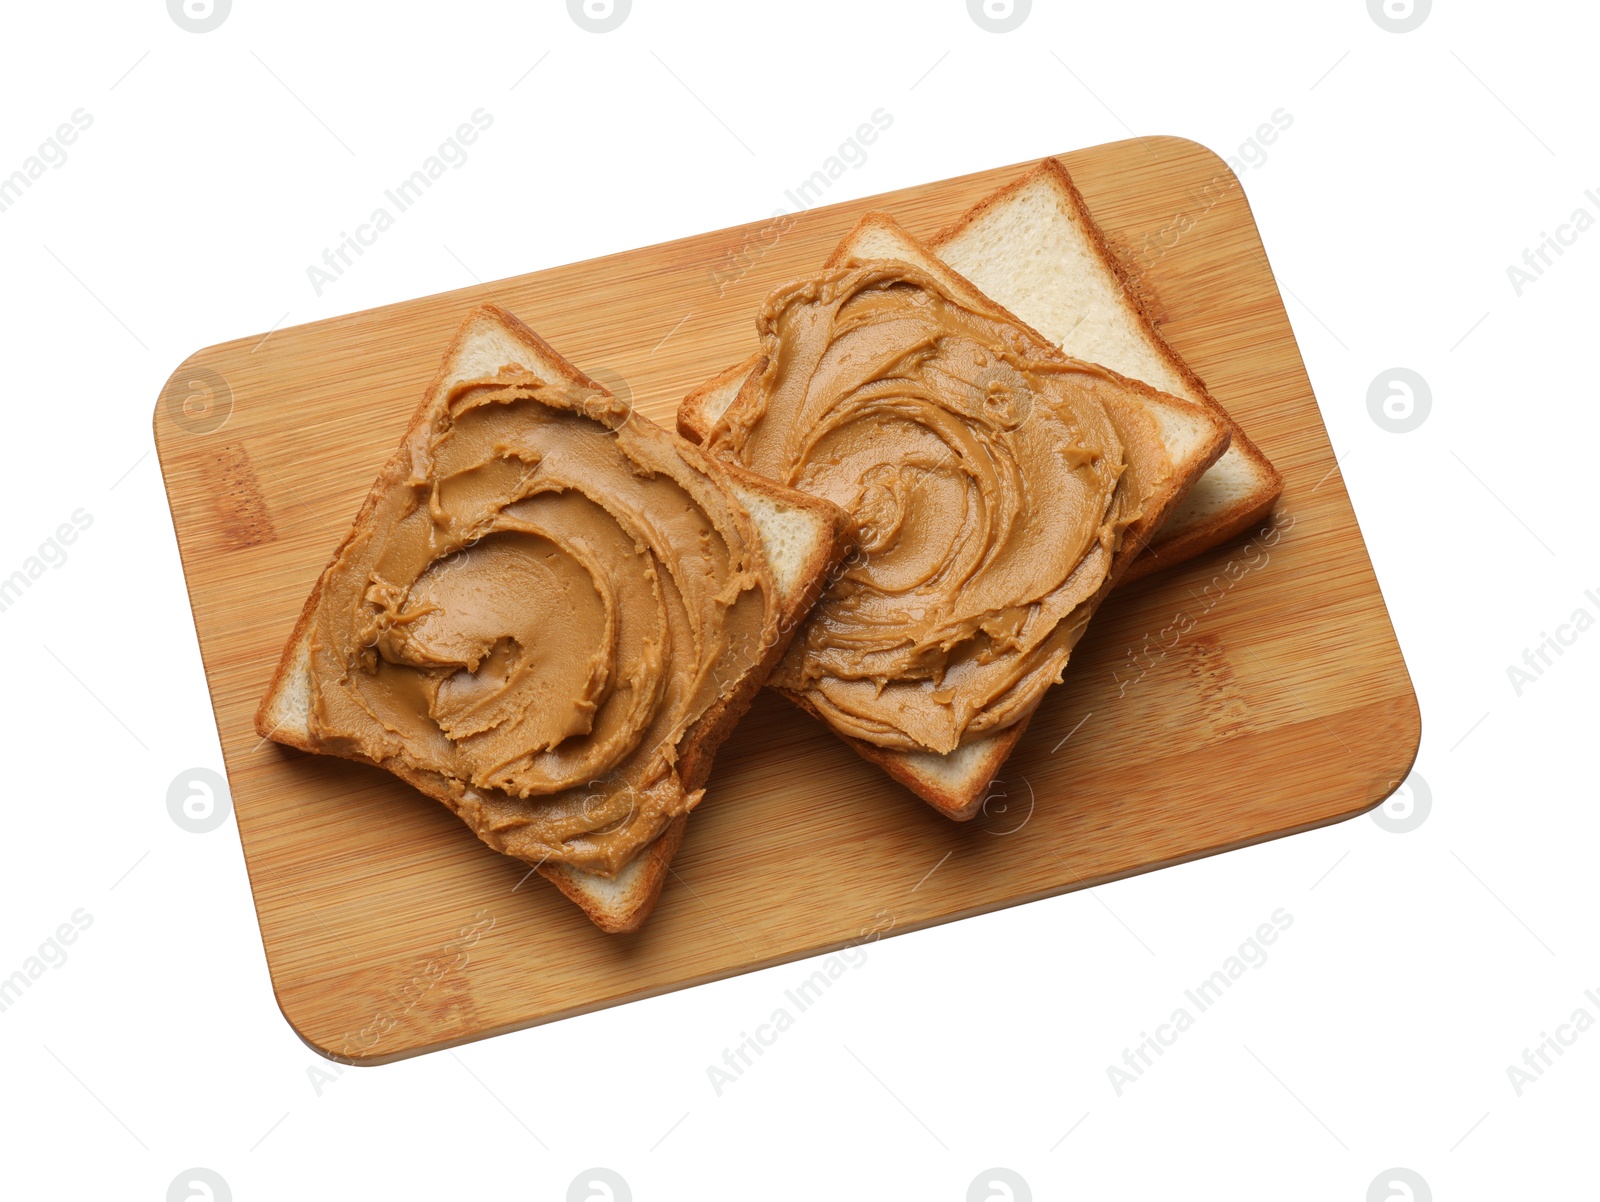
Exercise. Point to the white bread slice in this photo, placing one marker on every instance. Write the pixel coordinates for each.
(802, 536)
(1033, 247)
(1191, 438)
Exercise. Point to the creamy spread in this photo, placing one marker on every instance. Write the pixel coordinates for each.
(544, 597)
(989, 481)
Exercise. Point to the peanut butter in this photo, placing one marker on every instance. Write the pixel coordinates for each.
(989, 480)
(544, 597)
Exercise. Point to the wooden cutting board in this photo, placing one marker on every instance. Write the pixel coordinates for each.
(1253, 693)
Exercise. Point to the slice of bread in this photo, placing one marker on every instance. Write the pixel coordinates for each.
(1033, 247)
(1176, 439)
(802, 537)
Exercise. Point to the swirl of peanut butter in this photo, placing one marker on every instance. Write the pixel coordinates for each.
(983, 470)
(535, 611)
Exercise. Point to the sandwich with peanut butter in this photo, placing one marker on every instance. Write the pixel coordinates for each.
(548, 614)
(1001, 489)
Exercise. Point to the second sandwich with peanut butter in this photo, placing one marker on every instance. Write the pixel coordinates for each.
(1000, 489)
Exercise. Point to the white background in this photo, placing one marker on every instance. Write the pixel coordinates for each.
(1419, 966)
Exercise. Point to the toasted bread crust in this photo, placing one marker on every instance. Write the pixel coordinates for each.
(1160, 555)
(656, 863)
(959, 804)
(694, 422)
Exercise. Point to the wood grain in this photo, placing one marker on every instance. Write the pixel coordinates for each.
(1253, 693)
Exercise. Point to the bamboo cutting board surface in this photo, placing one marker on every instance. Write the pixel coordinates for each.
(1255, 692)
